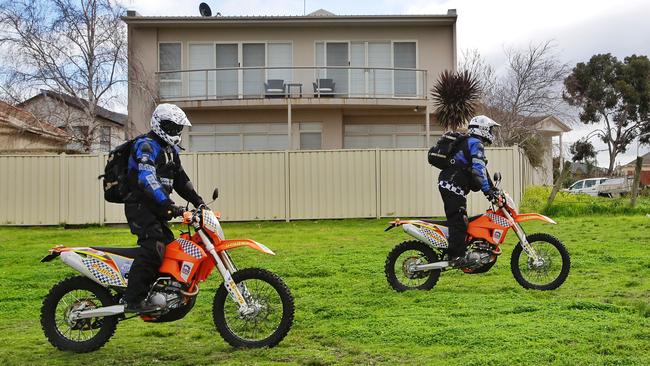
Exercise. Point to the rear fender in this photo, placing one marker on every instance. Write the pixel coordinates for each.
(236, 243)
(534, 216)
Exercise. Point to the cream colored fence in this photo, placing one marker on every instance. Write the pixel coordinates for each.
(289, 185)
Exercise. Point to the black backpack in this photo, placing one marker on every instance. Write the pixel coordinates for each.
(441, 155)
(116, 185)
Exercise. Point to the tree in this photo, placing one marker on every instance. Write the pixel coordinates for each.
(583, 151)
(615, 95)
(72, 47)
(455, 95)
(528, 88)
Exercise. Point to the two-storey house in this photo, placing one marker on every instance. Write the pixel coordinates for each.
(320, 81)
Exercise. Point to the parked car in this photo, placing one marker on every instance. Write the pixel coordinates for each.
(587, 186)
(616, 187)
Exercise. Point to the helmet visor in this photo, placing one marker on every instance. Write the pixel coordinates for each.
(171, 128)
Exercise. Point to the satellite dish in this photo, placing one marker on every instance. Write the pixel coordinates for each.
(204, 9)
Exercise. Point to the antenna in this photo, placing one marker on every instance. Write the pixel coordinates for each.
(204, 10)
(304, 7)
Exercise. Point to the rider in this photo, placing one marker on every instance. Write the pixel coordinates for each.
(154, 170)
(455, 182)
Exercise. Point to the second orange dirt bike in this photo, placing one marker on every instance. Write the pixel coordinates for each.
(252, 307)
(539, 261)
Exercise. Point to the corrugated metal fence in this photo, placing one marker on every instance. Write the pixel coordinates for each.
(288, 185)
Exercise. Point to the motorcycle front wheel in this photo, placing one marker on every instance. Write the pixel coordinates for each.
(549, 272)
(272, 314)
(82, 335)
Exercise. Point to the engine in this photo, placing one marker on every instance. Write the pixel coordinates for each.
(166, 293)
(481, 253)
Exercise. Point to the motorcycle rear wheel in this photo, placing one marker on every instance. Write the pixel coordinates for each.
(84, 335)
(554, 270)
(400, 279)
(272, 320)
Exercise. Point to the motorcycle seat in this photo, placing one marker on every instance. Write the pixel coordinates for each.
(445, 223)
(124, 252)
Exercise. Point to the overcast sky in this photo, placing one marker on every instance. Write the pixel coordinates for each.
(580, 28)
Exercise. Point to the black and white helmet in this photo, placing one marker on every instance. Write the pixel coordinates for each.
(168, 121)
(482, 126)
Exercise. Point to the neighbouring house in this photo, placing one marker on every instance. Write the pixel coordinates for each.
(629, 169)
(548, 127)
(67, 112)
(320, 81)
(21, 132)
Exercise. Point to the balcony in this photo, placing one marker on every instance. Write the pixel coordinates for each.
(235, 86)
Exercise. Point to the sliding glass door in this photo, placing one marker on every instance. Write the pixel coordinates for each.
(404, 56)
(253, 55)
(227, 56)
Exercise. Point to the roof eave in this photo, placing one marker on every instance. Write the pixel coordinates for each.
(292, 21)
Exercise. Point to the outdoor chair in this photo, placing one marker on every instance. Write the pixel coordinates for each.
(275, 88)
(324, 87)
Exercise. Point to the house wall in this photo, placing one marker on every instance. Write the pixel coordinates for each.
(14, 141)
(332, 120)
(435, 46)
(65, 116)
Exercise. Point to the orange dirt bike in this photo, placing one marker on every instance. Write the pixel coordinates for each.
(252, 307)
(539, 261)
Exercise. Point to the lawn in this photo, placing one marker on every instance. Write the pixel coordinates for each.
(347, 314)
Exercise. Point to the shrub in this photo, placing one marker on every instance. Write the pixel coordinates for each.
(569, 204)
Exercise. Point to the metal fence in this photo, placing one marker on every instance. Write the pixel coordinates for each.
(286, 185)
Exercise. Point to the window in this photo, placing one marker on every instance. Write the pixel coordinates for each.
(366, 136)
(238, 137)
(105, 138)
(371, 63)
(590, 183)
(169, 59)
(404, 57)
(279, 55)
(201, 57)
(310, 135)
(577, 185)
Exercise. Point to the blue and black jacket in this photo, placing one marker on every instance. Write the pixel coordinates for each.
(155, 171)
(469, 172)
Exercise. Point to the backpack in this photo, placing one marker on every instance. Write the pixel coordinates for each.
(441, 155)
(116, 185)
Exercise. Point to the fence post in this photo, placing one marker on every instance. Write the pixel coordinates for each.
(102, 202)
(287, 188)
(63, 186)
(378, 183)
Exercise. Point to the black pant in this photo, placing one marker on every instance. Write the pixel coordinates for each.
(153, 236)
(456, 212)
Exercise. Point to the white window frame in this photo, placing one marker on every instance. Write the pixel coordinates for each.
(182, 88)
(240, 133)
(392, 61)
(297, 132)
(393, 134)
(240, 59)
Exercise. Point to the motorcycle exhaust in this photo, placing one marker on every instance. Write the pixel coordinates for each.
(100, 312)
(442, 265)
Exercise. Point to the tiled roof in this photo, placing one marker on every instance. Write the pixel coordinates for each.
(21, 119)
(115, 117)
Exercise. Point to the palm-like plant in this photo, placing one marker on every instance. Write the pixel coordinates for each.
(455, 96)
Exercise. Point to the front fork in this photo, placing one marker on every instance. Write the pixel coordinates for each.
(226, 267)
(525, 245)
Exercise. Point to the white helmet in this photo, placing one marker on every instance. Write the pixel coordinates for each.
(482, 126)
(168, 121)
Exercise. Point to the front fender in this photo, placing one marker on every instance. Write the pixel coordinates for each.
(534, 216)
(236, 243)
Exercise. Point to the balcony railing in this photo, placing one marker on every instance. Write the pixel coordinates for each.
(292, 82)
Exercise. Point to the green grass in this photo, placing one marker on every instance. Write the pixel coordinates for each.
(569, 204)
(347, 314)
